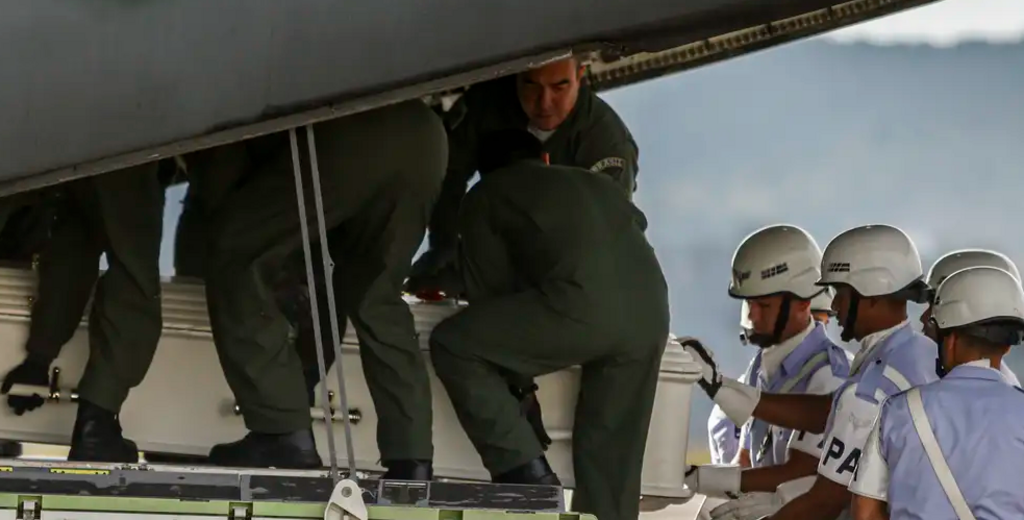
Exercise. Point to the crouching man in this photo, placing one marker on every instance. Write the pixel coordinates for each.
(557, 273)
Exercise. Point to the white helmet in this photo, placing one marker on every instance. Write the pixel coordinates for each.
(874, 260)
(823, 301)
(964, 258)
(978, 295)
(775, 260)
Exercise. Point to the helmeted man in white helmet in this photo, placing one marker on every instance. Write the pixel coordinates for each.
(775, 270)
(962, 259)
(876, 271)
(954, 448)
(821, 306)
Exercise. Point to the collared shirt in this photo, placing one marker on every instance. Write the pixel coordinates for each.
(893, 361)
(798, 364)
(978, 421)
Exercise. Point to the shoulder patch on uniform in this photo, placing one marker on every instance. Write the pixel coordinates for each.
(608, 162)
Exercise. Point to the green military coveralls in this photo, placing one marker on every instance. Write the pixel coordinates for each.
(121, 214)
(190, 236)
(592, 137)
(551, 285)
(380, 174)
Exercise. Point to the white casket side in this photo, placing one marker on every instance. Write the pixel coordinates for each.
(184, 405)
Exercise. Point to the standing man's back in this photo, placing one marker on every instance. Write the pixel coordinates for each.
(557, 274)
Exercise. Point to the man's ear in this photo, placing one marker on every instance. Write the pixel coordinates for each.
(801, 305)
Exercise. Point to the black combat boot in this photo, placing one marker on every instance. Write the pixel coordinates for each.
(296, 450)
(408, 470)
(97, 437)
(537, 472)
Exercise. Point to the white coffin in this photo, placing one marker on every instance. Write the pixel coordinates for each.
(185, 406)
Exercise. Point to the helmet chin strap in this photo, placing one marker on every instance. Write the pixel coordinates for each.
(851, 317)
(770, 340)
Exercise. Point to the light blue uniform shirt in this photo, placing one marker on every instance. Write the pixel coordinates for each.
(902, 359)
(815, 366)
(723, 436)
(978, 422)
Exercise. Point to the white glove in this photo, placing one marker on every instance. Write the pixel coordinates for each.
(789, 490)
(751, 506)
(714, 481)
(736, 399)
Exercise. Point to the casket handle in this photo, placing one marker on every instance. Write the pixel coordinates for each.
(51, 393)
(317, 413)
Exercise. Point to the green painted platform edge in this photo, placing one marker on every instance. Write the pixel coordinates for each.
(10, 501)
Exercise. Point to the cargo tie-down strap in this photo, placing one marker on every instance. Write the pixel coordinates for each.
(328, 268)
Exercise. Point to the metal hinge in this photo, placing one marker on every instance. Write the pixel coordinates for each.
(29, 508)
(346, 502)
(239, 511)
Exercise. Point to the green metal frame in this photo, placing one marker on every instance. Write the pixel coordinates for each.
(223, 508)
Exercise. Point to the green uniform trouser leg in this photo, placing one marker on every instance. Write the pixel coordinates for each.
(190, 236)
(68, 270)
(214, 174)
(520, 334)
(504, 332)
(126, 211)
(380, 172)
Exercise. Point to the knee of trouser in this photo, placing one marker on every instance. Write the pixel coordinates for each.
(440, 345)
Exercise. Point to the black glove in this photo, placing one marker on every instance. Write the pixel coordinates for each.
(428, 270)
(711, 378)
(30, 372)
(529, 407)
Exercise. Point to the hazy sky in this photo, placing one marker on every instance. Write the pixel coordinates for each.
(945, 23)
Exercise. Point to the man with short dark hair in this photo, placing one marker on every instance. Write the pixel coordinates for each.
(557, 273)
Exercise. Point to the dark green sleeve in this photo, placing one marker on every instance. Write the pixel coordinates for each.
(609, 149)
(462, 144)
(486, 264)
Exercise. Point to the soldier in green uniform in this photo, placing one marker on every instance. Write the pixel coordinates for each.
(25, 224)
(190, 234)
(557, 272)
(553, 103)
(380, 173)
(121, 214)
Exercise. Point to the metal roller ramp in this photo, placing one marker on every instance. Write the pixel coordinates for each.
(50, 491)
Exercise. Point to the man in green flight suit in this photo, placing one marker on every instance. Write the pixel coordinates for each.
(121, 214)
(557, 272)
(552, 102)
(380, 173)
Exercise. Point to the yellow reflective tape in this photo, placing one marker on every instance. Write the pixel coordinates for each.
(6, 468)
(74, 471)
